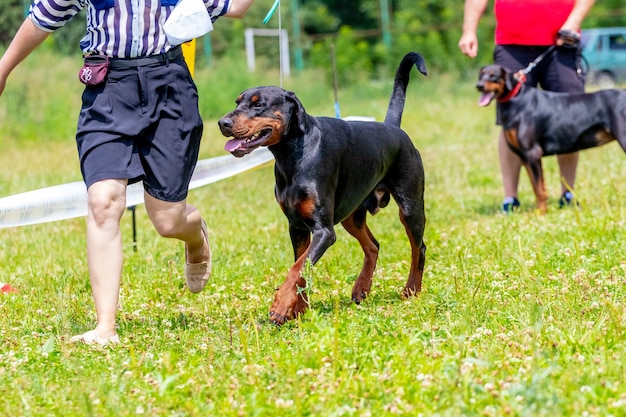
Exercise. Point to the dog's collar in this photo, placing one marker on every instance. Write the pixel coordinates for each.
(521, 79)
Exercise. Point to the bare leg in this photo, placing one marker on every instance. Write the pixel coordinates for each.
(567, 165)
(510, 166)
(106, 204)
(180, 221)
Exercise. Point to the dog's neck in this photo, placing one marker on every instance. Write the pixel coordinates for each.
(520, 77)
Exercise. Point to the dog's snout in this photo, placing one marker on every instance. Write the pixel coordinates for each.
(226, 125)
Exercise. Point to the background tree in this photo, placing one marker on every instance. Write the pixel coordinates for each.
(354, 27)
(11, 16)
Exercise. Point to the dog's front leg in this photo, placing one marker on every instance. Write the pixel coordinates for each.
(289, 302)
(291, 298)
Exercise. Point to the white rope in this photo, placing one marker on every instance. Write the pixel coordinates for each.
(67, 201)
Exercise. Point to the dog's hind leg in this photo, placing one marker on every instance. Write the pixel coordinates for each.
(414, 221)
(418, 258)
(535, 172)
(356, 225)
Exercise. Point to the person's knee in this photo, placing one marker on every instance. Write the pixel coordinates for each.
(106, 204)
(104, 209)
(166, 229)
(169, 219)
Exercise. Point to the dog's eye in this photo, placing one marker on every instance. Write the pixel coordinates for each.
(256, 104)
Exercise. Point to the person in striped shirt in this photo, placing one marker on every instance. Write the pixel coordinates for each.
(139, 121)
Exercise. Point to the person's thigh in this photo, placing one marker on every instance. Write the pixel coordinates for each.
(169, 150)
(108, 122)
(560, 72)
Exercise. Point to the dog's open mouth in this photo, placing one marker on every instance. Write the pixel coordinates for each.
(240, 146)
(486, 97)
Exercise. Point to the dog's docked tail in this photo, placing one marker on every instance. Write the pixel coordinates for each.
(398, 95)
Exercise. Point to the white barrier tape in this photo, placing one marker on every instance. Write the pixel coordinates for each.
(67, 201)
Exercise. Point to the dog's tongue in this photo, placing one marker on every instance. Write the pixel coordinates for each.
(485, 98)
(233, 145)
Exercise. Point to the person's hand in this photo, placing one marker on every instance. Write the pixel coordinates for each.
(568, 38)
(469, 44)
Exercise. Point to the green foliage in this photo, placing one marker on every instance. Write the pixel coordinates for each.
(350, 54)
(13, 12)
(432, 27)
(44, 104)
(318, 18)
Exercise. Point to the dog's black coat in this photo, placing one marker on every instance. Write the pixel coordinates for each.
(329, 171)
(538, 122)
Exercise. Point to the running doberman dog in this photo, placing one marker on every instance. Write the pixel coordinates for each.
(331, 171)
(538, 122)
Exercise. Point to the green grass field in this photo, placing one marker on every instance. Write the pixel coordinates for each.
(520, 315)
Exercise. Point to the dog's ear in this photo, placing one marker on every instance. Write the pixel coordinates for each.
(508, 78)
(298, 122)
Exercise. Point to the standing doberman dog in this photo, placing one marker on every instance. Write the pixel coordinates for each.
(329, 171)
(538, 122)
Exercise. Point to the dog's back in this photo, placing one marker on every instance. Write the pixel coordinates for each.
(568, 122)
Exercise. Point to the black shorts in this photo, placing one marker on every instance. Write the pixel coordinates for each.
(143, 124)
(556, 72)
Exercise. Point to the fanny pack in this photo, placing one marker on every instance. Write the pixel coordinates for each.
(94, 70)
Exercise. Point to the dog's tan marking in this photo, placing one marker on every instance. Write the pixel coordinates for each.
(254, 99)
(289, 303)
(498, 87)
(604, 136)
(244, 127)
(511, 137)
(306, 208)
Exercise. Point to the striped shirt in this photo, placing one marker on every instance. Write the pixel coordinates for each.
(117, 28)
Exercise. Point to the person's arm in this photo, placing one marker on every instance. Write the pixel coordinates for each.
(472, 12)
(577, 15)
(238, 8)
(26, 40)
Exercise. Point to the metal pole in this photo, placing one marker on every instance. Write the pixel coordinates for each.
(132, 210)
(297, 52)
(384, 17)
(335, 88)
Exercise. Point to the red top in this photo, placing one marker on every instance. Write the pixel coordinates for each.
(530, 22)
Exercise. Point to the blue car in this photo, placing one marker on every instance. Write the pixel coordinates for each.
(604, 51)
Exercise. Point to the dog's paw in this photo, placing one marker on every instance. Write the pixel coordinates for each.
(361, 289)
(282, 311)
(410, 291)
(359, 295)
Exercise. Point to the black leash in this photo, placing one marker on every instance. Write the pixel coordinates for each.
(520, 75)
(580, 59)
(537, 60)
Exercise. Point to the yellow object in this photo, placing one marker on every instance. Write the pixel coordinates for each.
(189, 52)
